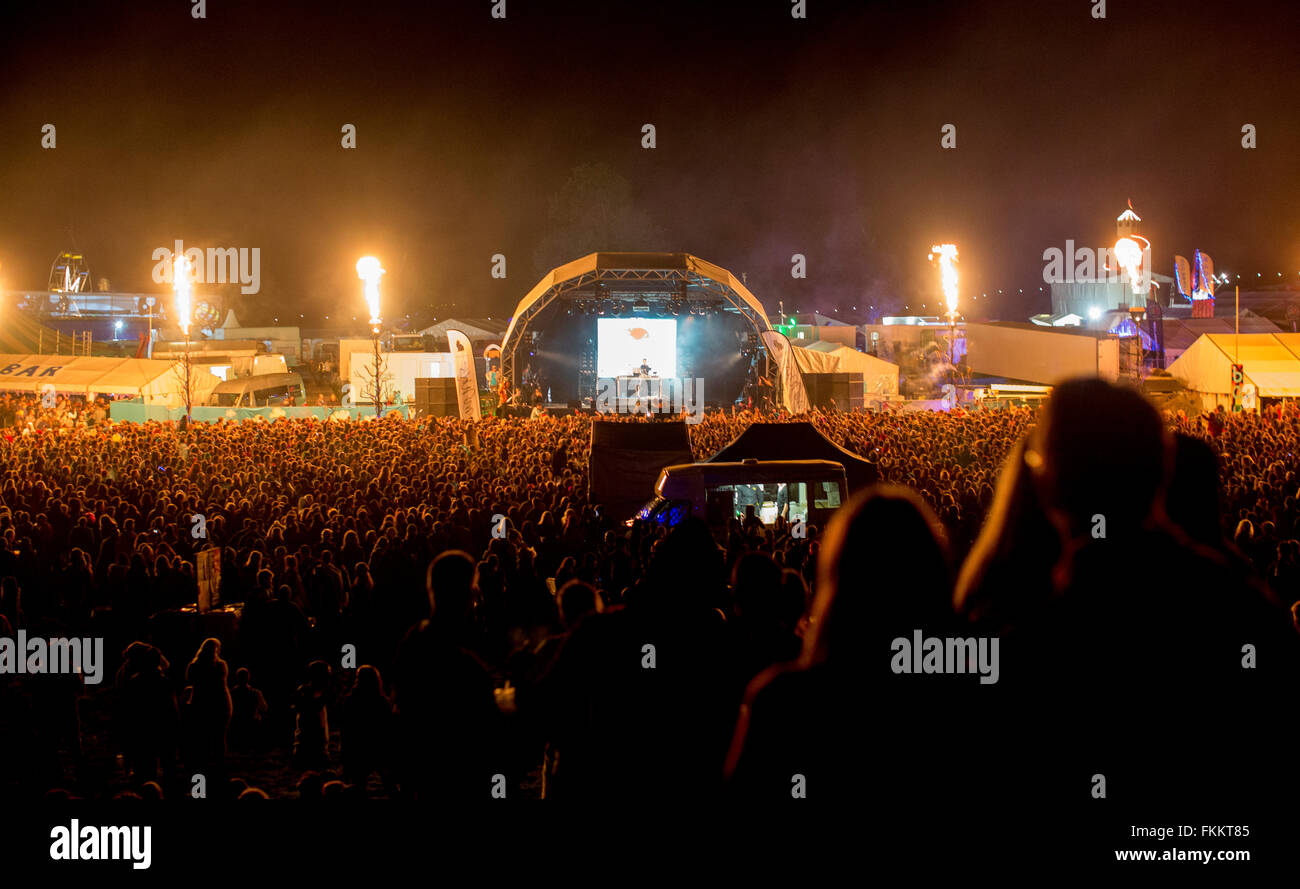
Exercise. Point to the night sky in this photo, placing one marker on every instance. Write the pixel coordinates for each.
(522, 136)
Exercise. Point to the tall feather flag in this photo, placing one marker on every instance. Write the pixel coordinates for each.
(466, 375)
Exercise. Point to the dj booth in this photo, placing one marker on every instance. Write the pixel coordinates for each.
(650, 390)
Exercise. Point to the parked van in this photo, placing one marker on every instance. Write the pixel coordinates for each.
(796, 490)
(263, 390)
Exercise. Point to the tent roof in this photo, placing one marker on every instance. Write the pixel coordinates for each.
(796, 441)
(80, 375)
(1180, 333)
(823, 346)
(846, 359)
(258, 381)
(474, 328)
(1271, 361)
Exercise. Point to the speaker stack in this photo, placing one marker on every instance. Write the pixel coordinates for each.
(436, 397)
(844, 388)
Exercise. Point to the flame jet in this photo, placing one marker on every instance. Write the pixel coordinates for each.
(947, 254)
(370, 271)
(183, 285)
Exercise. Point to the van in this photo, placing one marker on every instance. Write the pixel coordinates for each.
(796, 490)
(263, 390)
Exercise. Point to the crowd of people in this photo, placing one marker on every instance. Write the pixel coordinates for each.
(434, 609)
(51, 410)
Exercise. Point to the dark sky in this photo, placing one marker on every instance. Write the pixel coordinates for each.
(775, 136)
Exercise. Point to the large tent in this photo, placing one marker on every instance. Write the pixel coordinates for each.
(1181, 333)
(796, 441)
(158, 382)
(879, 377)
(1270, 363)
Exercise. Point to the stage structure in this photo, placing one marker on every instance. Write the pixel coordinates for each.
(688, 307)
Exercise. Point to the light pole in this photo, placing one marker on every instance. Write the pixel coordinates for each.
(370, 271)
(182, 285)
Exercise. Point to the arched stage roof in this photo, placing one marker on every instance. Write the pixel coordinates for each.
(632, 273)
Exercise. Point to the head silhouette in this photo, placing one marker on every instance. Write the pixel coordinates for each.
(368, 682)
(883, 572)
(576, 600)
(756, 586)
(1192, 501)
(687, 565)
(450, 584)
(1099, 450)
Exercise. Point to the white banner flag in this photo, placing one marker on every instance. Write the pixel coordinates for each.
(466, 376)
(793, 395)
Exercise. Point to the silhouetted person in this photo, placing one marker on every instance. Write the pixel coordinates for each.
(1007, 577)
(447, 716)
(207, 708)
(883, 574)
(367, 736)
(767, 611)
(311, 703)
(639, 703)
(145, 719)
(248, 713)
(1147, 626)
(11, 602)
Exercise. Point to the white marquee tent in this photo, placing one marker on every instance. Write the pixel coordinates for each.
(879, 377)
(159, 382)
(1270, 363)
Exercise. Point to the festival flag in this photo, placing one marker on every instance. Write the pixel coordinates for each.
(466, 376)
(794, 397)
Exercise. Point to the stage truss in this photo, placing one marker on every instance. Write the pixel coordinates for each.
(629, 277)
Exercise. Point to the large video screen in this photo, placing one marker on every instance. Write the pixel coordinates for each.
(624, 344)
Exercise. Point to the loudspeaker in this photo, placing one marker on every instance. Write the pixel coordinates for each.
(855, 387)
(437, 387)
(844, 388)
(436, 397)
(425, 409)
